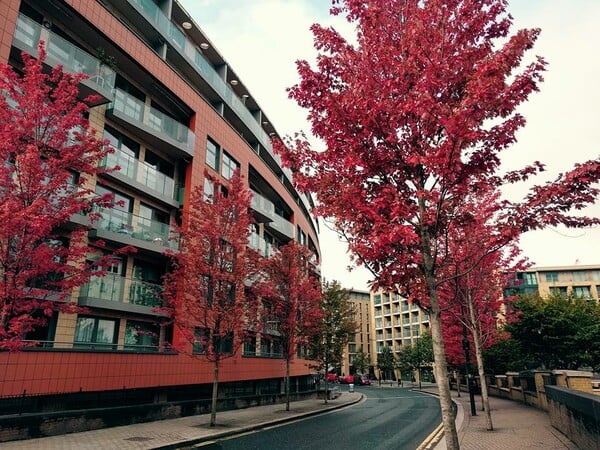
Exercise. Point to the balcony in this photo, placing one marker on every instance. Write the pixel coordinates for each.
(282, 226)
(129, 229)
(141, 176)
(120, 293)
(264, 207)
(74, 60)
(259, 244)
(152, 125)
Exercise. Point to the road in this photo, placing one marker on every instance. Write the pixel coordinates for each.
(389, 418)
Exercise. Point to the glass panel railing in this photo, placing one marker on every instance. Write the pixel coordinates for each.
(137, 227)
(283, 225)
(73, 59)
(112, 288)
(140, 171)
(262, 204)
(259, 244)
(175, 130)
(134, 109)
(188, 49)
(109, 287)
(144, 293)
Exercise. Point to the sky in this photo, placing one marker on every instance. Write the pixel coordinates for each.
(261, 40)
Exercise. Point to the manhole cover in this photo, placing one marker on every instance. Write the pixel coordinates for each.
(139, 439)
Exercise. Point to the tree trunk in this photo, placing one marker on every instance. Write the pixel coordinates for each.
(439, 351)
(213, 404)
(441, 373)
(287, 384)
(485, 399)
(326, 377)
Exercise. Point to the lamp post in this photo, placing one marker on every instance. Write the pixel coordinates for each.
(465, 344)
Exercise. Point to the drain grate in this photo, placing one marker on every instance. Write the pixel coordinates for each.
(139, 439)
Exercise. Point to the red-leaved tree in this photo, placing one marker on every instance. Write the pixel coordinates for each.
(292, 296)
(472, 297)
(414, 115)
(209, 285)
(47, 155)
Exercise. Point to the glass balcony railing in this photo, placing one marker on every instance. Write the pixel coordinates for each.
(196, 59)
(119, 289)
(262, 204)
(140, 171)
(138, 112)
(263, 247)
(137, 227)
(60, 51)
(282, 225)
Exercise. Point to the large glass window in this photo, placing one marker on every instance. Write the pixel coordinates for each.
(582, 291)
(551, 276)
(212, 154)
(96, 332)
(141, 336)
(579, 275)
(229, 166)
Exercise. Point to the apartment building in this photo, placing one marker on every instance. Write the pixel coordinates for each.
(577, 281)
(172, 107)
(360, 341)
(395, 323)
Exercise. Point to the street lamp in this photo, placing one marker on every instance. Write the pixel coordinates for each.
(465, 344)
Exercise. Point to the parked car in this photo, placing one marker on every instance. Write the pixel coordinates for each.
(346, 379)
(364, 380)
(332, 378)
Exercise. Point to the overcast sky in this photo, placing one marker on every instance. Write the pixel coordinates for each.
(261, 39)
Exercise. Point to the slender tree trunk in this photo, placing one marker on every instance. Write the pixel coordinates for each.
(439, 351)
(326, 377)
(441, 374)
(213, 405)
(287, 384)
(485, 399)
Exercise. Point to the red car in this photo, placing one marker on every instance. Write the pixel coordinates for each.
(346, 379)
(364, 380)
(332, 377)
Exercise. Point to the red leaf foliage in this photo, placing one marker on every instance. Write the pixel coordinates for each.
(292, 295)
(209, 288)
(47, 155)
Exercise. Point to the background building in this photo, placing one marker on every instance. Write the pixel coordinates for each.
(578, 281)
(395, 322)
(362, 338)
(172, 107)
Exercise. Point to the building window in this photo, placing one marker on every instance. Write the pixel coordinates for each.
(95, 332)
(212, 154)
(209, 190)
(229, 166)
(582, 292)
(579, 275)
(141, 336)
(558, 291)
(551, 276)
(530, 278)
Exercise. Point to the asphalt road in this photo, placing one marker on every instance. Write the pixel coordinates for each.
(389, 418)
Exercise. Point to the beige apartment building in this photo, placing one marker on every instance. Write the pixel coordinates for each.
(578, 281)
(395, 323)
(362, 338)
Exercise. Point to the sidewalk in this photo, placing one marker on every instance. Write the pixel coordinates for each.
(516, 427)
(172, 433)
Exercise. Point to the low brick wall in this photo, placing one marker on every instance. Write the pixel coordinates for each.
(33, 425)
(576, 414)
